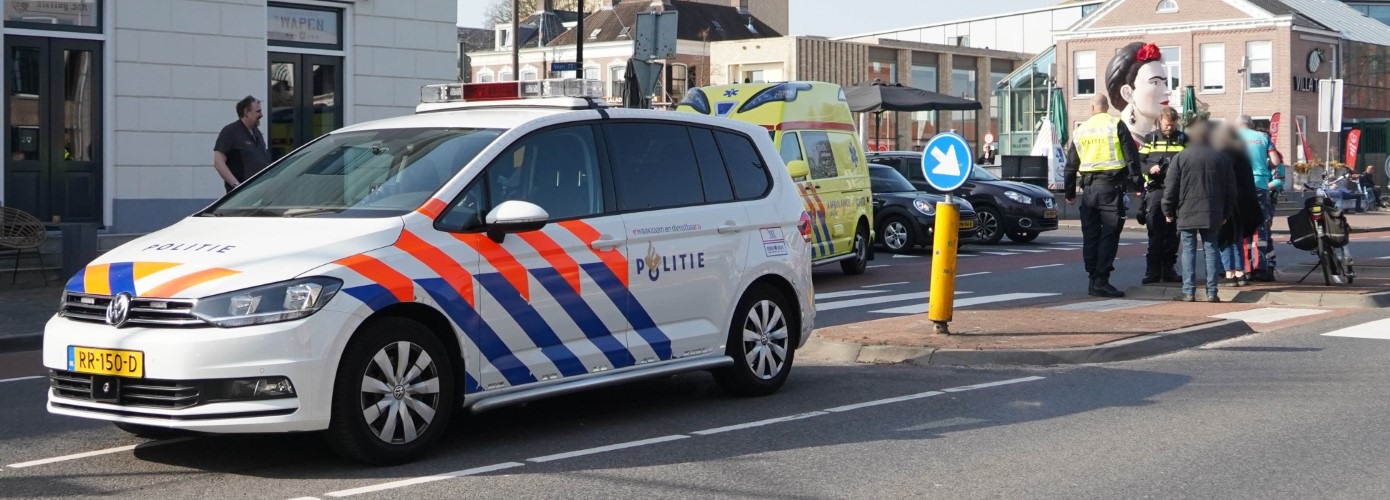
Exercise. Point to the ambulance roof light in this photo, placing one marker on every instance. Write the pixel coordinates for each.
(496, 91)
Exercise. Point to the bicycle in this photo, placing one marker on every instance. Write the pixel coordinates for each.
(1321, 228)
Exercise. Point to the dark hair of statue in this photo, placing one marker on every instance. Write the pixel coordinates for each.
(1121, 71)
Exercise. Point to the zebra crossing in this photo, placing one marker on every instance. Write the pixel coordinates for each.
(1004, 250)
(908, 302)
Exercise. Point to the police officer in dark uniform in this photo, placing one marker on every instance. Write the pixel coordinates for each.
(1104, 158)
(1159, 148)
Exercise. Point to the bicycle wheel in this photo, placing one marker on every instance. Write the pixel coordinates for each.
(1325, 257)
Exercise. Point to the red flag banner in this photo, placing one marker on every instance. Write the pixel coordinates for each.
(1307, 150)
(1274, 130)
(1353, 143)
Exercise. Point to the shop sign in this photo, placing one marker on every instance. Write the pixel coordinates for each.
(304, 26)
(1305, 84)
(52, 12)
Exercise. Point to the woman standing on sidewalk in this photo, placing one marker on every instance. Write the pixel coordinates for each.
(1248, 216)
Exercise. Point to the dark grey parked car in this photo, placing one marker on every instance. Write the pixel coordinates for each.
(905, 218)
(1004, 208)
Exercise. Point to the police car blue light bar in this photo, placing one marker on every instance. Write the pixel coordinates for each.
(496, 91)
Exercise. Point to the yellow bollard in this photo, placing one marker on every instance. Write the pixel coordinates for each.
(943, 265)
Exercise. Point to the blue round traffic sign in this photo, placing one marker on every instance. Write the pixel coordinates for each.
(946, 162)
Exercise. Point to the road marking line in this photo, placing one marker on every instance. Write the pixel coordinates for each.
(879, 265)
(887, 284)
(674, 437)
(1027, 250)
(992, 384)
(1379, 329)
(1001, 254)
(1269, 314)
(877, 402)
(107, 451)
(846, 293)
(972, 274)
(1042, 266)
(759, 423)
(1385, 257)
(426, 479)
(831, 306)
(902, 256)
(17, 379)
(987, 299)
(1105, 305)
(1060, 249)
(603, 449)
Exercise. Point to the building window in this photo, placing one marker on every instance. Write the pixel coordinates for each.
(1088, 9)
(924, 77)
(616, 83)
(1172, 61)
(676, 82)
(505, 76)
(484, 77)
(71, 15)
(1213, 67)
(1084, 62)
(1261, 64)
(1166, 6)
(591, 73)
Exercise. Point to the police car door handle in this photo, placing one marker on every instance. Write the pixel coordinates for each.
(606, 242)
(729, 227)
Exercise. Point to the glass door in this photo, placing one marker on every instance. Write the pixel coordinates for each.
(54, 124)
(305, 100)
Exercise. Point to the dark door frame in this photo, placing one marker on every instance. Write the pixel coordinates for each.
(51, 167)
(303, 104)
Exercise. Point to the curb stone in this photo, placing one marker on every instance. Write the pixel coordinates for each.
(1273, 298)
(1121, 350)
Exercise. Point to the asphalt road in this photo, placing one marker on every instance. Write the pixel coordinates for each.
(1285, 414)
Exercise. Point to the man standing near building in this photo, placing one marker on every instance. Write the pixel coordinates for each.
(1159, 148)
(1103, 156)
(1199, 197)
(1261, 257)
(240, 150)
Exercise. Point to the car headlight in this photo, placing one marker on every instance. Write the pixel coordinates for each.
(1019, 197)
(964, 204)
(924, 206)
(273, 303)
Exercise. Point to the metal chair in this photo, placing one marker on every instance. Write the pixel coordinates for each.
(20, 231)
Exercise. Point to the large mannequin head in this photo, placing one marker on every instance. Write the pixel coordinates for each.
(1137, 84)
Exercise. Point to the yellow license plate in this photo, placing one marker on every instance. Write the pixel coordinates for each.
(106, 362)
(967, 224)
(1050, 214)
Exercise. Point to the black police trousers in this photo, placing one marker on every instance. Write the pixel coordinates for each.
(1102, 218)
(1163, 235)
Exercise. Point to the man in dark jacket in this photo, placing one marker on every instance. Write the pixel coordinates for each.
(1198, 197)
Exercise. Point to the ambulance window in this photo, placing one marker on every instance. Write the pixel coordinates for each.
(712, 173)
(791, 147)
(746, 167)
(820, 157)
(653, 166)
(556, 169)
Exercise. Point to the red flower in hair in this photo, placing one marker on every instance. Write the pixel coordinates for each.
(1149, 52)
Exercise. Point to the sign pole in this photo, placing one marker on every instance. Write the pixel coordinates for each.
(946, 164)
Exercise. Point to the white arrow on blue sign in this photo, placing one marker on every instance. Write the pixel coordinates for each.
(946, 162)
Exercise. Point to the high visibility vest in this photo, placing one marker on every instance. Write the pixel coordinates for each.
(1098, 145)
(1161, 146)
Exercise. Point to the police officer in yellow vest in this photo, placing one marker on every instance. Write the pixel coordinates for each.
(1159, 148)
(1103, 153)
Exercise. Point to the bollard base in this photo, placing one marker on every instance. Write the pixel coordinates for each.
(941, 328)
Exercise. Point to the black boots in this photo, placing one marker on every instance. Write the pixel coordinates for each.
(1101, 287)
(1153, 271)
(1170, 273)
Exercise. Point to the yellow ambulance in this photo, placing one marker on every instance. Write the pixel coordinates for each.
(811, 125)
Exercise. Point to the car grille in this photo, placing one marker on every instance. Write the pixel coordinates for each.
(156, 312)
(148, 393)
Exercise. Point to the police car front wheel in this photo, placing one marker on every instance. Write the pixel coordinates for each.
(393, 394)
(760, 341)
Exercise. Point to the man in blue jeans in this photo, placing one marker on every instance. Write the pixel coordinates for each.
(1261, 260)
(1198, 197)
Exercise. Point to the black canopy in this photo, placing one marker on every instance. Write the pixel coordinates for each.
(879, 96)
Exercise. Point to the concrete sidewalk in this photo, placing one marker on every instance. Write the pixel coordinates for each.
(1146, 323)
(1372, 221)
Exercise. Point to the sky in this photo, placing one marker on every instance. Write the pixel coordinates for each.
(828, 18)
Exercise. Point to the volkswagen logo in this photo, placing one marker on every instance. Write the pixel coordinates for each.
(118, 311)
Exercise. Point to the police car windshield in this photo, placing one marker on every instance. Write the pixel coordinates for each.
(374, 173)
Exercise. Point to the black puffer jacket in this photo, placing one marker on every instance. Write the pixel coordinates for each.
(1200, 188)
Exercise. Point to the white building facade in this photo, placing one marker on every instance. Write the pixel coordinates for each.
(1028, 31)
(111, 108)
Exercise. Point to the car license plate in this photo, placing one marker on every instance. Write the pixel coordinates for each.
(106, 362)
(967, 224)
(1050, 214)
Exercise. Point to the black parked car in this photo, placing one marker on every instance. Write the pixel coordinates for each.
(905, 217)
(1004, 208)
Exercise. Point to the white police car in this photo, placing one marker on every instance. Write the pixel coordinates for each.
(486, 251)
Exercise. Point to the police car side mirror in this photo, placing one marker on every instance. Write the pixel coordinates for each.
(513, 216)
(798, 169)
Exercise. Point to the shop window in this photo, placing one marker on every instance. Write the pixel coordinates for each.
(1166, 6)
(71, 15)
(1172, 61)
(1213, 67)
(1084, 63)
(924, 77)
(1260, 65)
(616, 83)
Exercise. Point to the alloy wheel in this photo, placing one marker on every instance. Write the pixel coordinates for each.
(765, 339)
(895, 235)
(400, 392)
(989, 225)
